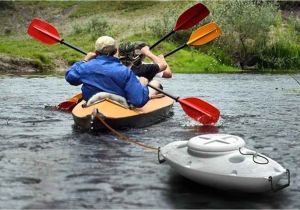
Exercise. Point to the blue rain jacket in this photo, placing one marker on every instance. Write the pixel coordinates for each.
(107, 74)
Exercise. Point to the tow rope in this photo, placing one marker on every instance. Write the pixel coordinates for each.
(121, 136)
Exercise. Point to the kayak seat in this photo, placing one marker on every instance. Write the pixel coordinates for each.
(104, 95)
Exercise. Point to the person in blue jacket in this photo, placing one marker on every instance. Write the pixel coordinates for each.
(102, 72)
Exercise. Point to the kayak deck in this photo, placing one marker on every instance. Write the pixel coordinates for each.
(119, 116)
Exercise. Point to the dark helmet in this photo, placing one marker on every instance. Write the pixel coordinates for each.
(126, 53)
(139, 56)
(139, 45)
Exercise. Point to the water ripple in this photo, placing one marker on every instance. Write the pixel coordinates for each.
(47, 164)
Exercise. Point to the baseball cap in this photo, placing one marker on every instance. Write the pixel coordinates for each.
(106, 45)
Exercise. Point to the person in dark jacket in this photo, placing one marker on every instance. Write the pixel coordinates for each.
(159, 67)
(128, 56)
(102, 72)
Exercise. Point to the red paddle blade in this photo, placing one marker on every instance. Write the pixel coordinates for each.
(66, 106)
(43, 31)
(200, 110)
(191, 17)
(70, 103)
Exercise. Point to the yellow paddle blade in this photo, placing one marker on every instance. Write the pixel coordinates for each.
(204, 34)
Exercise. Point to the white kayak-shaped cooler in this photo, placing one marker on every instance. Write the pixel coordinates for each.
(222, 161)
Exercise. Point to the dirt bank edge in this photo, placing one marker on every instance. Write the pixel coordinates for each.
(9, 64)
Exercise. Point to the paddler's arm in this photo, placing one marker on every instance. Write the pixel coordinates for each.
(72, 75)
(161, 62)
(167, 73)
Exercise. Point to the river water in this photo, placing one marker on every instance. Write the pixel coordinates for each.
(46, 163)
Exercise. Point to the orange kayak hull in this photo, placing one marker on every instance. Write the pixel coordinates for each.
(120, 117)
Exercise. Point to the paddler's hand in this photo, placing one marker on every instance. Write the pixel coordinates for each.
(145, 50)
(161, 56)
(89, 56)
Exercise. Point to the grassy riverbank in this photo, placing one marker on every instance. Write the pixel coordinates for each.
(58, 57)
(80, 23)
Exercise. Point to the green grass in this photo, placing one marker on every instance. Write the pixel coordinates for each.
(81, 22)
(127, 21)
(184, 61)
(42, 55)
(190, 62)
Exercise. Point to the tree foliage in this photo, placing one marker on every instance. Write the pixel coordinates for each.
(245, 26)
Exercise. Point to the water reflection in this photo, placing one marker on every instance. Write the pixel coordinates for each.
(211, 198)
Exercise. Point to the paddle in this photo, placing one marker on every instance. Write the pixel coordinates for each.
(47, 34)
(69, 104)
(198, 109)
(201, 36)
(186, 20)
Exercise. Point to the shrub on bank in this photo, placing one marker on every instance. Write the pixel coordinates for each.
(282, 50)
(254, 34)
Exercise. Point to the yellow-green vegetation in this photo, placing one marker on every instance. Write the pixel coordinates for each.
(260, 32)
(257, 35)
(80, 23)
(254, 32)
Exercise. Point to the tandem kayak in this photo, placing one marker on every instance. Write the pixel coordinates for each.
(222, 161)
(118, 116)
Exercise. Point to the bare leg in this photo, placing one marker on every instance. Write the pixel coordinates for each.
(153, 93)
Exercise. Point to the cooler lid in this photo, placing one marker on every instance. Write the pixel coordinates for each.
(215, 143)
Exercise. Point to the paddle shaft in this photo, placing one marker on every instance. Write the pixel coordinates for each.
(72, 46)
(81, 51)
(163, 38)
(175, 50)
(163, 92)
